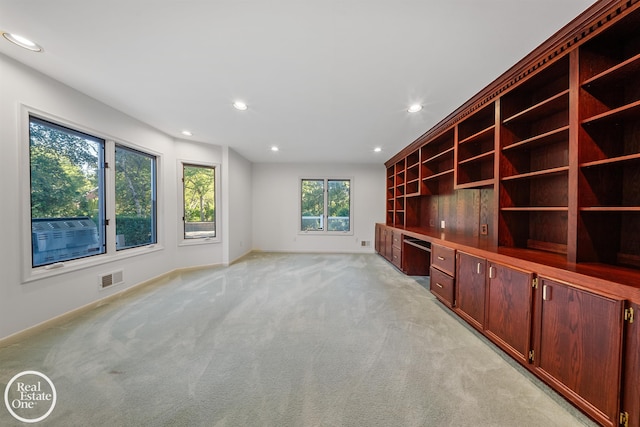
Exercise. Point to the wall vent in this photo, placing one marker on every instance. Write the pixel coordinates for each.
(110, 279)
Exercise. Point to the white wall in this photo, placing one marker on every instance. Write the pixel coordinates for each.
(25, 304)
(259, 203)
(276, 201)
(237, 203)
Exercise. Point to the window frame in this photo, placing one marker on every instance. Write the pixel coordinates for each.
(31, 273)
(182, 241)
(325, 231)
(154, 195)
(100, 171)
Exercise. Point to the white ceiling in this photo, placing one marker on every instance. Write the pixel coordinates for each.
(325, 81)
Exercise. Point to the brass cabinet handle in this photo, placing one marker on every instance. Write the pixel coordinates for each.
(438, 285)
(441, 258)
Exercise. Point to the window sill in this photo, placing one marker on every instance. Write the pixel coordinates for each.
(197, 242)
(44, 272)
(325, 233)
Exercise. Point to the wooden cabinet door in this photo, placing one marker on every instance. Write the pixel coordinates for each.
(631, 385)
(470, 292)
(508, 309)
(388, 242)
(580, 346)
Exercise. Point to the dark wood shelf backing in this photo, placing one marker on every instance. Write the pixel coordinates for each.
(480, 157)
(627, 111)
(541, 191)
(560, 134)
(439, 155)
(611, 49)
(475, 149)
(541, 88)
(609, 236)
(613, 161)
(613, 75)
(476, 184)
(438, 175)
(477, 125)
(610, 184)
(538, 173)
(540, 228)
(550, 106)
(479, 135)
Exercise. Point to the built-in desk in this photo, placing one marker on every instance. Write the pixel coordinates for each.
(523, 299)
(416, 256)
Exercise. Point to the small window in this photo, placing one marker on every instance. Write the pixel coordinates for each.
(199, 201)
(135, 185)
(325, 205)
(67, 193)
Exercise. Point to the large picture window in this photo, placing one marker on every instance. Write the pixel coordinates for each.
(67, 193)
(135, 198)
(199, 201)
(77, 209)
(325, 205)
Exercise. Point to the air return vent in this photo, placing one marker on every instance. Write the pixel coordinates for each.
(110, 279)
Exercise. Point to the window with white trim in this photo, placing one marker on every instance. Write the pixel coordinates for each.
(69, 191)
(325, 205)
(199, 201)
(135, 175)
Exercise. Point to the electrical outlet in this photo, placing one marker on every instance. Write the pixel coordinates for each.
(442, 224)
(484, 229)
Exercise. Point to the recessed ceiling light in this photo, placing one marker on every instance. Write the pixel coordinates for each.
(377, 149)
(239, 105)
(414, 108)
(274, 148)
(187, 133)
(22, 42)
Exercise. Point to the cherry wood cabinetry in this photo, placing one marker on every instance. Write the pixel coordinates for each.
(534, 162)
(609, 153)
(437, 164)
(536, 176)
(508, 308)
(396, 248)
(475, 149)
(384, 239)
(443, 268)
(470, 290)
(442, 286)
(579, 346)
(416, 256)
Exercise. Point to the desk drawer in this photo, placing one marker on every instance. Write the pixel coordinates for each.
(397, 239)
(396, 257)
(444, 259)
(442, 286)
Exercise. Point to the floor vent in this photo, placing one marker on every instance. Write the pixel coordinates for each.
(111, 279)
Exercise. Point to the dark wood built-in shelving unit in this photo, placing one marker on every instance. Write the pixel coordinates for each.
(535, 184)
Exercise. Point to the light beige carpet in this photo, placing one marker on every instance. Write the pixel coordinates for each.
(280, 340)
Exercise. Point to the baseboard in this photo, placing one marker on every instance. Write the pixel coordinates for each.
(62, 318)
